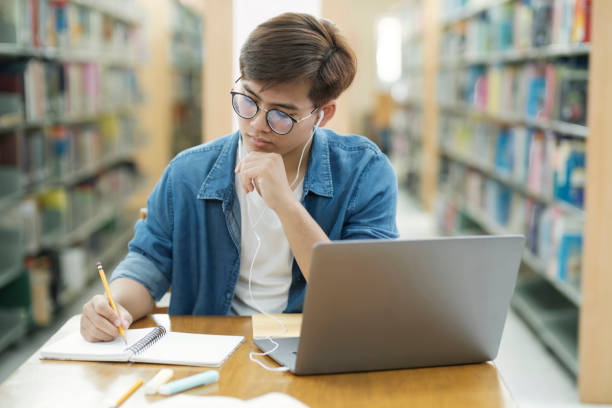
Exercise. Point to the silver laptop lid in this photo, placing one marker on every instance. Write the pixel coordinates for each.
(386, 304)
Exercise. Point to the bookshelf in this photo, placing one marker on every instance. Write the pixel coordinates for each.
(407, 125)
(186, 57)
(507, 127)
(68, 135)
(513, 104)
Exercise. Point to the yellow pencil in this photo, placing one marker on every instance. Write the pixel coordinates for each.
(110, 298)
(129, 392)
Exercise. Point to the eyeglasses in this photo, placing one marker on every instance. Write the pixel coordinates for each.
(280, 122)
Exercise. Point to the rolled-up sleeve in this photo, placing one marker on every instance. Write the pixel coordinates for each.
(149, 260)
(372, 211)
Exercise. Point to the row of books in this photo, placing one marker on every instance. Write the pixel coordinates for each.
(518, 25)
(187, 37)
(534, 90)
(56, 153)
(548, 164)
(52, 215)
(186, 110)
(186, 58)
(47, 90)
(66, 25)
(554, 238)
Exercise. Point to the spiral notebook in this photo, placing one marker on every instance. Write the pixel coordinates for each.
(155, 345)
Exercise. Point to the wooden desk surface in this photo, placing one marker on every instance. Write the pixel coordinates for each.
(46, 383)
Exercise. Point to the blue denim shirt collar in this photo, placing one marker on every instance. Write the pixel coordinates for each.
(219, 183)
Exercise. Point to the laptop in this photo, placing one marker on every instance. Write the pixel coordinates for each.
(391, 304)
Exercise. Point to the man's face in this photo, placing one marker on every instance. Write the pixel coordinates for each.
(291, 99)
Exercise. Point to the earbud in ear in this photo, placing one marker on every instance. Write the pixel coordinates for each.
(321, 116)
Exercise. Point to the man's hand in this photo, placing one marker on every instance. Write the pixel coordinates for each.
(266, 171)
(99, 321)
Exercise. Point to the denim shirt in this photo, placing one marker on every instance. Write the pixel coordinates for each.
(191, 236)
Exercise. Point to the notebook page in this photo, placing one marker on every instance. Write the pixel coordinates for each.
(75, 347)
(190, 349)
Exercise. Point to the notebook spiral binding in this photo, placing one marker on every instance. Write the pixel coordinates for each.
(148, 340)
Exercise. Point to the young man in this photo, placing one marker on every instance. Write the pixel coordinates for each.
(227, 217)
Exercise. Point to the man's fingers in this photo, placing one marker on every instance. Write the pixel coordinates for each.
(102, 323)
(103, 308)
(248, 177)
(126, 317)
(91, 331)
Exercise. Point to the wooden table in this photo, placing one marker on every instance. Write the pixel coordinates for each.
(48, 383)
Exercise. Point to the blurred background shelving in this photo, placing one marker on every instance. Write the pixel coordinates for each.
(513, 86)
(488, 110)
(186, 56)
(69, 133)
(493, 113)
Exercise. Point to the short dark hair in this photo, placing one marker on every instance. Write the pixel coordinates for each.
(295, 46)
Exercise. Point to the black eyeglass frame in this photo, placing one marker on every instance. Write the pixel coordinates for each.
(293, 120)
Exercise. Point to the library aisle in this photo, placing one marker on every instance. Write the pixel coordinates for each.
(492, 112)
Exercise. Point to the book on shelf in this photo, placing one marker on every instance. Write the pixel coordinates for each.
(60, 150)
(35, 92)
(570, 257)
(11, 91)
(11, 16)
(542, 13)
(541, 162)
(523, 23)
(53, 212)
(545, 223)
(533, 212)
(35, 158)
(501, 23)
(474, 189)
(570, 172)
(517, 218)
(507, 89)
(10, 174)
(572, 100)
(41, 278)
(29, 212)
(500, 203)
(550, 97)
(559, 245)
(536, 90)
(494, 89)
(74, 271)
(504, 151)
(520, 153)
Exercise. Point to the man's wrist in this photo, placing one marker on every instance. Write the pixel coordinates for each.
(288, 208)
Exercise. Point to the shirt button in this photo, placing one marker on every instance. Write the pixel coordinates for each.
(227, 295)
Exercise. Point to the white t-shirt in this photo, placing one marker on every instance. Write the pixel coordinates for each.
(271, 274)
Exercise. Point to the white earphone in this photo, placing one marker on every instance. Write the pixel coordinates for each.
(253, 225)
(321, 116)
